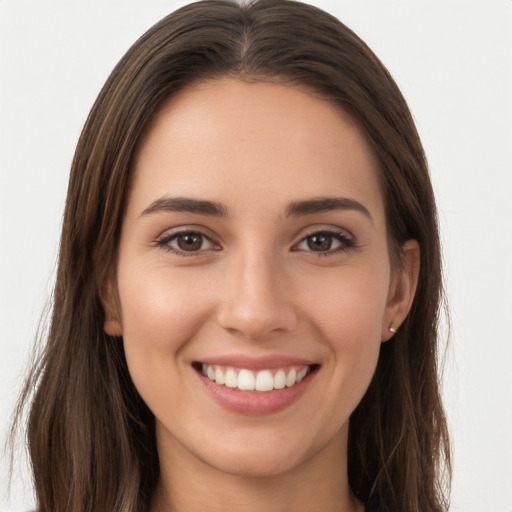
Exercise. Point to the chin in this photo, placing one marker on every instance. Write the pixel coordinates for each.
(265, 452)
(256, 464)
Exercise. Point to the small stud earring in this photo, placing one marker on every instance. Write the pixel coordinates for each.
(392, 328)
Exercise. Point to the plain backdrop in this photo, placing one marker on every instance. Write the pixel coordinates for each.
(453, 62)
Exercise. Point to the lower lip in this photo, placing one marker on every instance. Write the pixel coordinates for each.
(255, 403)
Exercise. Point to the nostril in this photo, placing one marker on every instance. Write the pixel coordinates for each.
(257, 324)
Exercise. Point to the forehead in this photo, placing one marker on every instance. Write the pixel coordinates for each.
(228, 139)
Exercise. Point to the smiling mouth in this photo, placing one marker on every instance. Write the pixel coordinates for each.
(263, 381)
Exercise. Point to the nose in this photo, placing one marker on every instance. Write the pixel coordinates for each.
(256, 299)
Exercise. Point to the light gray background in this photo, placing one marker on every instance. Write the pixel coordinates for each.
(452, 60)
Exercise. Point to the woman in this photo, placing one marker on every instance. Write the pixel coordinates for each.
(245, 313)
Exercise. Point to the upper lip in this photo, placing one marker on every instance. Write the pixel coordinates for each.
(256, 363)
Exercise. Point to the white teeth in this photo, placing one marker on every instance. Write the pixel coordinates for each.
(301, 374)
(290, 378)
(264, 381)
(247, 380)
(279, 380)
(219, 376)
(231, 380)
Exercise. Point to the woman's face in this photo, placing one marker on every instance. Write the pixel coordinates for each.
(254, 254)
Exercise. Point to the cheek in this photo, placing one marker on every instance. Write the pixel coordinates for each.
(160, 313)
(348, 304)
(347, 313)
(158, 307)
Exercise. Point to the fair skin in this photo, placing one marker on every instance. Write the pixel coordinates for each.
(266, 280)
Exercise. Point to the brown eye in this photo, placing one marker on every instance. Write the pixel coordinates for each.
(189, 241)
(326, 242)
(320, 242)
(186, 242)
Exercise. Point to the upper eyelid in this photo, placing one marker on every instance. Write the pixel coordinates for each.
(334, 234)
(170, 232)
(334, 230)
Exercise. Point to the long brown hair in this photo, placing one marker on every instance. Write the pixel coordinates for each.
(91, 437)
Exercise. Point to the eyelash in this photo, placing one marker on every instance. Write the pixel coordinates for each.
(346, 242)
(164, 241)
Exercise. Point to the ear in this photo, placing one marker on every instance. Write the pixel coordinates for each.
(109, 300)
(402, 289)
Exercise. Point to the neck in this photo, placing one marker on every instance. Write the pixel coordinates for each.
(187, 484)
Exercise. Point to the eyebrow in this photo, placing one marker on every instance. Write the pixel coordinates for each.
(185, 204)
(294, 209)
(325, 204)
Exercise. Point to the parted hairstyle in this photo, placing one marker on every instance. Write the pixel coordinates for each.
(91, 437)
